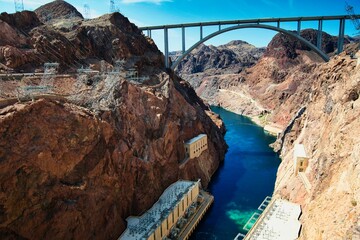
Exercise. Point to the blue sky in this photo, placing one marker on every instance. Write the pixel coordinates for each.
(161, 12)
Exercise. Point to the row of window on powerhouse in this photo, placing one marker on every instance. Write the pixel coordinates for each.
(196, 146)
(164, 229)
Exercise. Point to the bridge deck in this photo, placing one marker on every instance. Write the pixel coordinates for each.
(265, 23)
(244, 21)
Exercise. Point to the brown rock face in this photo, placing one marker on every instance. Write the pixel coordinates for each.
(285, 49)
(211, 60)
(24, 20)
(231, 57)
(272, 89)
(329, 131)
(77, 163)
(67, 173)
(12, 56)
(14, 27)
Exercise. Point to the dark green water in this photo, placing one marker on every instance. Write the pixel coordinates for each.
(242, 182)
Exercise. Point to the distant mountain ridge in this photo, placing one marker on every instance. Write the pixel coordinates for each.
(233, 56)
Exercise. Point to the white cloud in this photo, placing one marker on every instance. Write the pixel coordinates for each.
(145, 1)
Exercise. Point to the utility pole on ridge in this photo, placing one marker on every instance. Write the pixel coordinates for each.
(87, 14)
(112, 6)
(19, 5)
(351, 13)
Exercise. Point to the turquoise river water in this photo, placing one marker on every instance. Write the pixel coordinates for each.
(242, 182)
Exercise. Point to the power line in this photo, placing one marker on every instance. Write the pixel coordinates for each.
(351, 13)
(50, 50)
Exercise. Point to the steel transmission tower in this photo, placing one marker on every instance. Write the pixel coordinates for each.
(19, 5)
(112, 6)
(87, 14)
(351, 13)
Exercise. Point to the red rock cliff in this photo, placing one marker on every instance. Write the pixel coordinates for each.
(329, 130)
(67, 172)
(75, 166)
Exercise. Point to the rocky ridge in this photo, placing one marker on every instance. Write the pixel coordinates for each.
(208, 61)
(231, 57)
(58, 9)
(76, 163)
(28, 42)
(270, 89)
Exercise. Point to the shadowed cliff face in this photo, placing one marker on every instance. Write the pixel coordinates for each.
(77, 165)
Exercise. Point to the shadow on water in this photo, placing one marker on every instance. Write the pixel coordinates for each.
(242, 182)
(205, 236)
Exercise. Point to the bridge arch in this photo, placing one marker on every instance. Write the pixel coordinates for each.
(241, 26)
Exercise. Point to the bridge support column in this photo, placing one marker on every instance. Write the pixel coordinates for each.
(201, 32)
(341, 36)
(166, 45)
(183, 39)
(319, 34)
(278, 24)
(149, 33)
(219, 27)
(298, 27)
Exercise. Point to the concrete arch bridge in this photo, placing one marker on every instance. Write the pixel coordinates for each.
(264, 23)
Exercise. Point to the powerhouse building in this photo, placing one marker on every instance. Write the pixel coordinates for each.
(158, 221)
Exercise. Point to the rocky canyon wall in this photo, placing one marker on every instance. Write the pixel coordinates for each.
(94, 150)
(328, 130)
(70, 172)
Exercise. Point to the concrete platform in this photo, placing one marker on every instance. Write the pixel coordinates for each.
(196, 218)
(278, 222)
(272, 129)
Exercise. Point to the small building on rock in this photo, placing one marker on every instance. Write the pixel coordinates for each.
(195, 146)
(301, 159)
